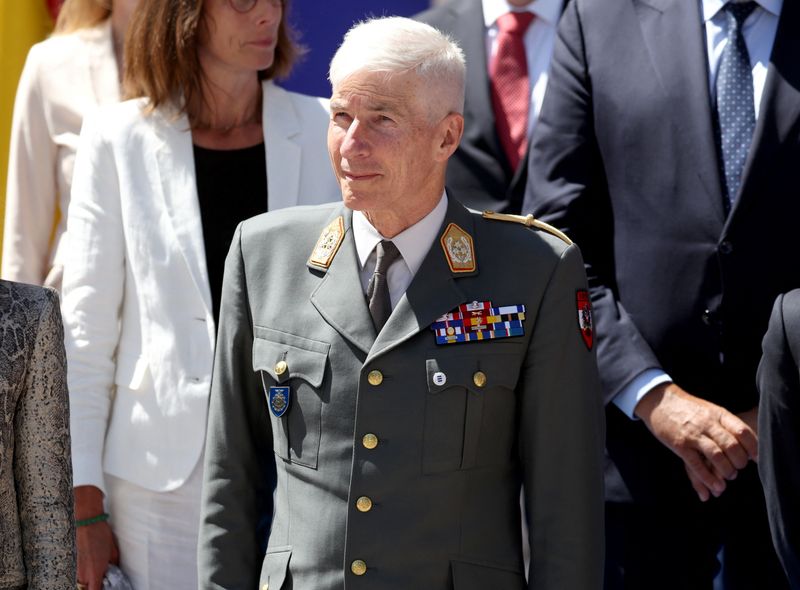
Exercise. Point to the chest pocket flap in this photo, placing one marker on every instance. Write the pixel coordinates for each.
(304, 359)
(299, 363)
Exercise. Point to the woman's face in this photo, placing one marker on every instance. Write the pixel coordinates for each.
(240, 41)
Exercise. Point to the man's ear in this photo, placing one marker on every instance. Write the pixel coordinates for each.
(451, 129)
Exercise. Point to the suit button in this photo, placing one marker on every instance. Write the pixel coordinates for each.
(370, 441)
(375, 378)
(281, 368)
(364, 504)
(358, 567)
(711, 318)
(725, 247)
(479, 379)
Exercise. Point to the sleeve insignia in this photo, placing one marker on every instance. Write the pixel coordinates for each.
(585, 324)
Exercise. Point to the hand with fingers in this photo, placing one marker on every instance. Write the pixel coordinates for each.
(713, 443)
(95, 540)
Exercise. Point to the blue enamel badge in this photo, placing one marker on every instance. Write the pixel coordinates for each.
(279, 399)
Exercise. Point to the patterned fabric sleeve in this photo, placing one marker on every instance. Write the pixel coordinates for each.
(42, 464)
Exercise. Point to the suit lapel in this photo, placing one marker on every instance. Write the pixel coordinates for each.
(281, 126)
(672, 31)
(339, 298)
(780, 107)
(433, 292)
(175, 161)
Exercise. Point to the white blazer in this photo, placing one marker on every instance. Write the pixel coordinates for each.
(136, 299)
(64, 78)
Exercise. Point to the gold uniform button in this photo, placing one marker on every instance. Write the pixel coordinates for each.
(280, 369)
(479, 379)
(358, 567)
(364, 504)
(375, 378)
(370, 441)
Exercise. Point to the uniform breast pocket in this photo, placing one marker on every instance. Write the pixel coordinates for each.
(297, 366)
(469, 410)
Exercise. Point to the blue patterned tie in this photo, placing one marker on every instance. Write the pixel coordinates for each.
(735, 110)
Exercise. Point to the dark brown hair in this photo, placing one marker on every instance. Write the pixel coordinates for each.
(161, 54)
(81, 14)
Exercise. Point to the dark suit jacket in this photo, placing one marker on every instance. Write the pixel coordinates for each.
(779, 430)
(444, 473)
(623, 158)
(479, 172)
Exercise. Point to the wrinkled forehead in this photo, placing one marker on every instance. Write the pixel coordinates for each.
(380, 90)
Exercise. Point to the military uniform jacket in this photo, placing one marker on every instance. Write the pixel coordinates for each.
(398, 462)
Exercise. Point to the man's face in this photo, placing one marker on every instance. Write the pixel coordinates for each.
(382, 144)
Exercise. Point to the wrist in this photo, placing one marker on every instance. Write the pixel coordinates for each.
(102, 517)
(651, 400)
(88, 502)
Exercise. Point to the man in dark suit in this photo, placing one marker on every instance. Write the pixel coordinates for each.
(779, 430)
(402, 365)
(668, 149)
(485, 172)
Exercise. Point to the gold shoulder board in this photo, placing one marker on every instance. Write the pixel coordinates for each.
(529, 221)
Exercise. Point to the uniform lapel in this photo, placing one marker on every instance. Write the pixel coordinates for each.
(780, 107)
(281, 126)
(672, 31)
(339, 298)
(433, 292)
(175, 161)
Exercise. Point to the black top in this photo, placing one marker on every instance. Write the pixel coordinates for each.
(231, 186)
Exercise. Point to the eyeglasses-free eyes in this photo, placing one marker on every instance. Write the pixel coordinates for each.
(248, 5)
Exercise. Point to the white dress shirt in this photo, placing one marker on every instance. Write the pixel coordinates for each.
(540, 38)
(413, 243)
(759, 31)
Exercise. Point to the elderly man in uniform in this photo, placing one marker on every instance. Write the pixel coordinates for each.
(396, 367)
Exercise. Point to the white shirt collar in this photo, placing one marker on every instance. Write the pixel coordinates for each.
(712, 7)
(547, 10)
(413, 242)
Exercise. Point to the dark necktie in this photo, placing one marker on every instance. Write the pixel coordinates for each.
(511, 91)
(735, 110)
(380, 304)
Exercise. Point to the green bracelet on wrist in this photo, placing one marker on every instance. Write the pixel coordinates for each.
(93, 520)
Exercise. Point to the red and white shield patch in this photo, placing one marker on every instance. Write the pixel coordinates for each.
(585, 318)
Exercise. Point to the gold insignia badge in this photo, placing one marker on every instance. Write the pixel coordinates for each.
(458, 249)
(328, 243)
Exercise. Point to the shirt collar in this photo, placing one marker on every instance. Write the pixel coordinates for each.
(547, 10)
(413, 242)
(712, 7)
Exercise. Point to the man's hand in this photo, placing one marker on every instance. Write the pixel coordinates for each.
(713, 443)
(96, 545)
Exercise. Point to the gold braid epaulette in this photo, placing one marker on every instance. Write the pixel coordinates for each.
(529, 221)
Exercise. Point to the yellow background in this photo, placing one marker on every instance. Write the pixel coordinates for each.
(22, 23)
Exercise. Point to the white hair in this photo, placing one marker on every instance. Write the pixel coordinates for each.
(395, 45)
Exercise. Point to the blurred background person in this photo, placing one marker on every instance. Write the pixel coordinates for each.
(64, 78)
(508, 45)
(161, 182)
(670, 130)
(37, 529)
(779, 430)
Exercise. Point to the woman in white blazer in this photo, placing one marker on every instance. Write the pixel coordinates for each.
(65, 77)
(159, 182)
